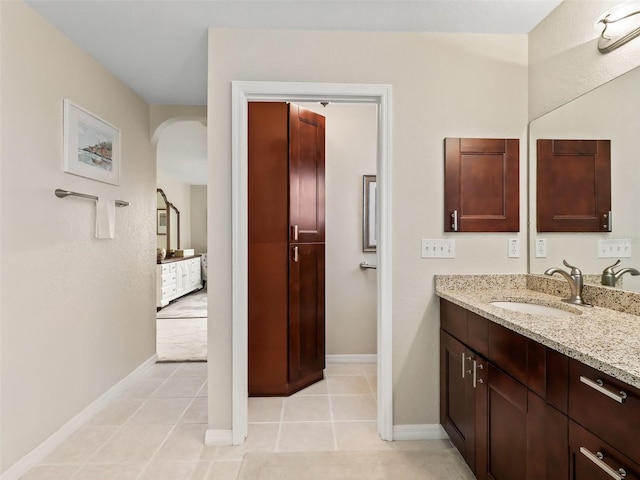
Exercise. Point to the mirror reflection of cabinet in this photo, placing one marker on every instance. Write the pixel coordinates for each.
(168, 223)
(608, 112)
(574, 185)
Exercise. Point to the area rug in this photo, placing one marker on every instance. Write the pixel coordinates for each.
(193, 305)
(181, 339)
(385, 465)
(182, 329)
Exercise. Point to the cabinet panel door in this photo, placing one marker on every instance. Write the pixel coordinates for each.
(573, 185)
(306, 312)
(482, 184)
(306, 175)
(457, 409)
(507, 426)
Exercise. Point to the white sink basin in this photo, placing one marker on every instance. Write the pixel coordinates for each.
(533, 309)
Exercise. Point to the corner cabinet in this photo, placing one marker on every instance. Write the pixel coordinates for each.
(177, 277)
(516, 409)
(286, 248)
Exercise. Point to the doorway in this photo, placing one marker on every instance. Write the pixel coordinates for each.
(181, 301)
(242, 93)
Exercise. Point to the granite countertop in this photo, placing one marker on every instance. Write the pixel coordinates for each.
(600, 337)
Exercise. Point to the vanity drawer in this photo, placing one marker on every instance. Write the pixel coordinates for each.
(167, 268)
(592, 458)
(594, 402)
(169, 279)
(169, 292)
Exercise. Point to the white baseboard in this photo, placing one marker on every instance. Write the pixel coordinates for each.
(36, 455)
(218, 438)
(419, 432)
(352, 358)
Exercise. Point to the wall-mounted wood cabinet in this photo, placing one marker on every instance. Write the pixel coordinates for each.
(482, 189)
(573, 185)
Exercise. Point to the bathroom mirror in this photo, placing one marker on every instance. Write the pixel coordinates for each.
(167, 223)
(612, 112)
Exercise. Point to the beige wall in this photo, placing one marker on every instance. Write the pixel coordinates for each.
(77, 313)
(564, 61)
(160, 116)
(179, 194)
(350, 296)
(443, 85)
(199, 218)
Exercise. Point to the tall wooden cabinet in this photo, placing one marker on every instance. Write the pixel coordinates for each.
(286, 248)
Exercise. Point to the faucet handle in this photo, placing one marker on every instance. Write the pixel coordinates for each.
(609, 269)
(574, 270)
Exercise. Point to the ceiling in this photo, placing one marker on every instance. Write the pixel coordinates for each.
(159, 47)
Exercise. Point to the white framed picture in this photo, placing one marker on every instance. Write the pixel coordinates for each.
(91, 145)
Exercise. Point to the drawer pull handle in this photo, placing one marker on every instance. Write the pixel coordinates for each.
(598, 459)
(599, 386)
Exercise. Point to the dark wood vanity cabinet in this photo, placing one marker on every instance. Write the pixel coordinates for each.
(519, 410)
(504, 428)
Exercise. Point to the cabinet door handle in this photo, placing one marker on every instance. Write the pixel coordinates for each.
(295, 233)
(598, 459)
(463, 357)
(599, 386)
(295, 254)
(606, 220)
(454, 221)
(477, 366)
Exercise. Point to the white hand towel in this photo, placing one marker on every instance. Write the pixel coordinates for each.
(105, 218)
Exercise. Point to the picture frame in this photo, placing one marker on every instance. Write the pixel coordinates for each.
(162, 222)
(369, 188)
(91, 145)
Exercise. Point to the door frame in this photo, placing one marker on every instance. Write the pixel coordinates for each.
(243, 92)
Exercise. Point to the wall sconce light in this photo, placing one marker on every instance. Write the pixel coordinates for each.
(621, 25)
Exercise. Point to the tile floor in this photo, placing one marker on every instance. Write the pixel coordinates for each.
(156, 428)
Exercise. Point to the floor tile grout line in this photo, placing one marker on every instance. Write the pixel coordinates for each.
(164, 441)
(87, 460)
(278, 435)
(333, 427)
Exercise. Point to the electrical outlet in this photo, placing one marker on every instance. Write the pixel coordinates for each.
(514, 248)
(541, 248)
(438, 248)
(614, 248)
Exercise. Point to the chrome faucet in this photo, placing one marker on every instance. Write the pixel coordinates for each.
(575, 283)
(610, 277)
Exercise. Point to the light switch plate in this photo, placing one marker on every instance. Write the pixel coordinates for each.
(614, 248)
(438, 248)
(514, 248)
(541, 248)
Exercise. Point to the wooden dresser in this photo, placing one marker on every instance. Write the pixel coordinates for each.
(177, 277)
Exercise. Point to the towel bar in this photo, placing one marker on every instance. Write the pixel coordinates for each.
(66, 193)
